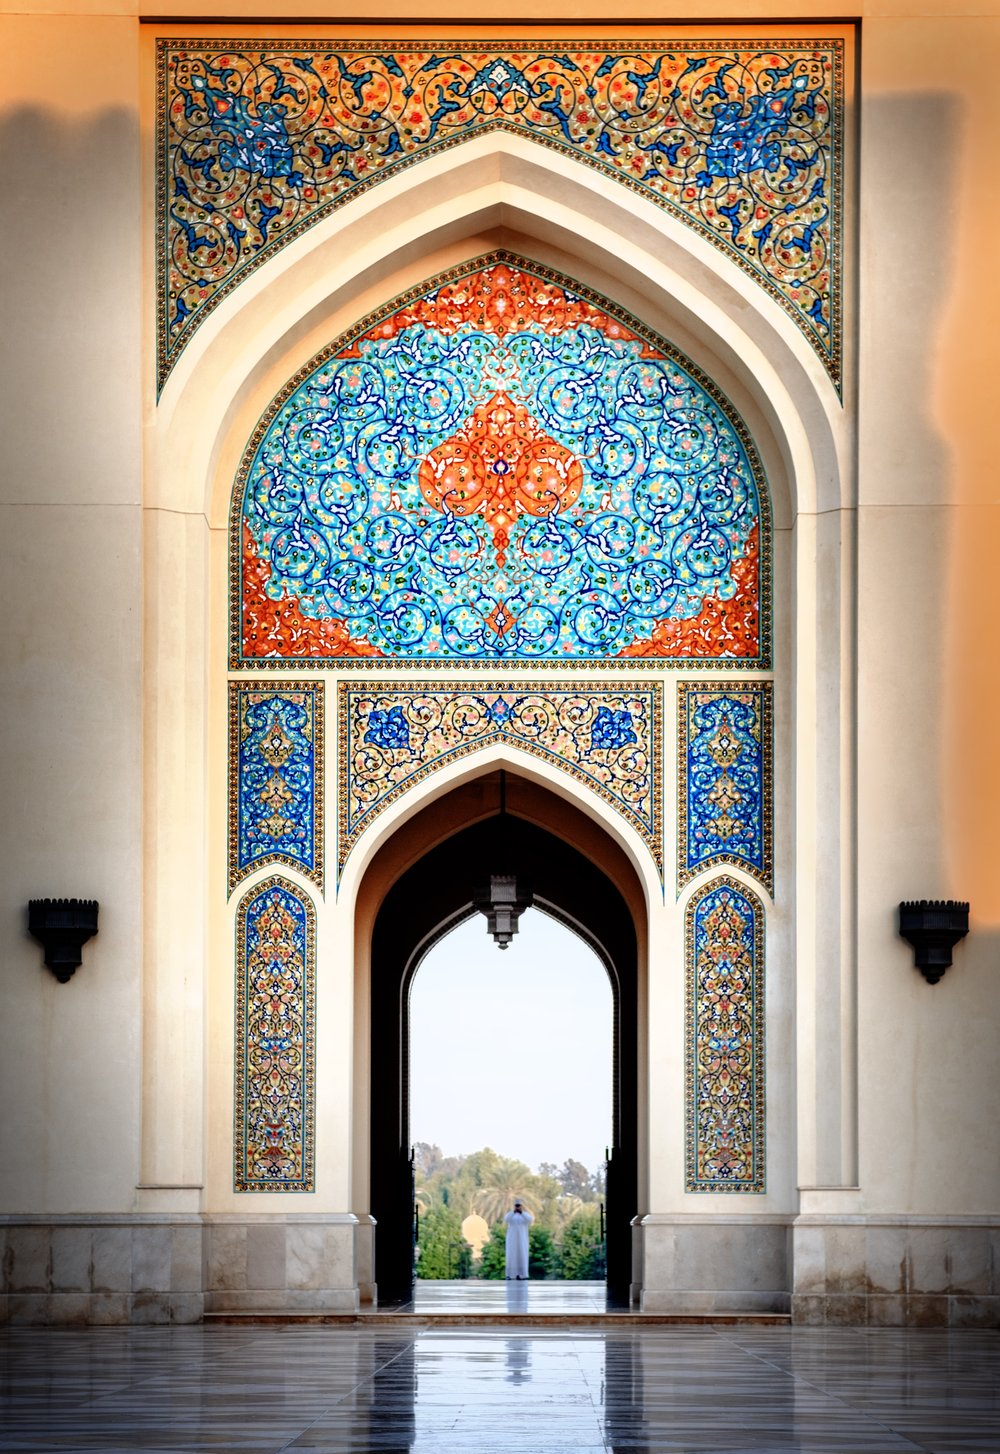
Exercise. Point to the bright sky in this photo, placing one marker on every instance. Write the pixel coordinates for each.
(512, 1048)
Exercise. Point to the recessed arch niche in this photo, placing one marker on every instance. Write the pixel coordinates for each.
(418, 886)
(494, 192)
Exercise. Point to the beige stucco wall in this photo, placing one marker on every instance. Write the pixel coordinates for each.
(71, 543)
(929, 524)
(884, 1098)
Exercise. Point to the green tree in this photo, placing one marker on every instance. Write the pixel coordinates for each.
(582, 1249)
(543, 1256)
(575, 1180)
(444, 1252)
(487, 1183)
(494, 1255)
(562, 1210)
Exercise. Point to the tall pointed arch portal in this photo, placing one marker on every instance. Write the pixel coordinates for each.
(435, 892)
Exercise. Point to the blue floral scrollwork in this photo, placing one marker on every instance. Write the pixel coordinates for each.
(611, 729)
(499, 712)
(388, 728)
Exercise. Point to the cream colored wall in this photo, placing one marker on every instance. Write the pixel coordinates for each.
(929, 695)
(70, 568)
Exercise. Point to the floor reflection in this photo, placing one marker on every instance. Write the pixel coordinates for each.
(518, 1360)
(360, 1390)
(516, 1296)
(473, 1296)
(624, 1421)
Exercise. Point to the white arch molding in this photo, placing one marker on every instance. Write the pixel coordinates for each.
(497, 190)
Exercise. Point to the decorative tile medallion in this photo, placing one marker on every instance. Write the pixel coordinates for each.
(742, 140)
(724, 1039)
(275, 1039)
(393, 736)
(275, 778)
(724, 779)
(495, 469)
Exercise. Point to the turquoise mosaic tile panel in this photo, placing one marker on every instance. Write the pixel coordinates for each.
(496, 469)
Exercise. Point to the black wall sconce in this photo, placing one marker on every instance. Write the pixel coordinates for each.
(63, 926)
(933, 927)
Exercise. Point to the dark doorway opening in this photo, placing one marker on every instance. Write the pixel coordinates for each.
(428, 899)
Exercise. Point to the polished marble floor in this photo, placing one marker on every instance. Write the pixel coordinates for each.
(323, 1390)
(516, 1296)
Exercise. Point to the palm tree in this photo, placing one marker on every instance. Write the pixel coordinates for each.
(506, 1182)
(566, 1208)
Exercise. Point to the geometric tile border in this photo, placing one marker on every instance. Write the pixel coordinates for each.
(724, 1039)
(741, 140)
(724, 779)
(274, 1131)
(275, 778)
(392, 736)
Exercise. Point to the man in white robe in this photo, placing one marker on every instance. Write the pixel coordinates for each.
(518, 1221)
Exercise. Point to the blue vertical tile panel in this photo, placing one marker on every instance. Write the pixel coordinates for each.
(275, 778)
(725, 779)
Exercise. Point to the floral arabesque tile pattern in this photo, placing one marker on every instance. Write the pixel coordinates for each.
(274, 1130)
(498, 469)
(275, 778)
(724, 779)
(741, 140)
(724, 1039)
(392, 736)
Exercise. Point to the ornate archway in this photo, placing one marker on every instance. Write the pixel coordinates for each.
(433, 894)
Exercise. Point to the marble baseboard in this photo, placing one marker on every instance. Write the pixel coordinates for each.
(846, 1269)
(290, 1300)
(707, 1304)
(906, 1272)
(718, 1264)
(159, 1269)
(877, 1310)
(82, 1309)
(104, 1257)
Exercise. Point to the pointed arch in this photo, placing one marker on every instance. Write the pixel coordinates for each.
(392, 736)
(437, 213)
(421, 885)
(501, 191)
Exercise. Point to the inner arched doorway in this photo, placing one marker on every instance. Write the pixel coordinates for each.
(432, 895)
